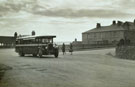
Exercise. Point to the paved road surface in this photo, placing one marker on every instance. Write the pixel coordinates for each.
(82, 69)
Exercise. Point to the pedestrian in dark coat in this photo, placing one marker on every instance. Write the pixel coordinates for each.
(71, 48)
(63, 48)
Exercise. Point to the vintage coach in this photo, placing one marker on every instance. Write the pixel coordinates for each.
(36, 45)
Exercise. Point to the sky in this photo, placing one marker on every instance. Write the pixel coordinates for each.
(66, 19)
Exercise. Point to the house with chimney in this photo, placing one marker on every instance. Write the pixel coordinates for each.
(111, 34)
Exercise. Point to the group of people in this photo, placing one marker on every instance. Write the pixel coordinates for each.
(64, 48)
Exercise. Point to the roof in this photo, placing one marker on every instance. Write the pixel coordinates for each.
(112, 28)
(33, 37)
(106, 28)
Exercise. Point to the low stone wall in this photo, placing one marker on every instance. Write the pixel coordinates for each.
(77, 47)
(87, 46)
(125, 52)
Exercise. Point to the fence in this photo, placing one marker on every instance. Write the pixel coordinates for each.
(86, 46)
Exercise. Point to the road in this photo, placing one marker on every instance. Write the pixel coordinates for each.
(91, 68)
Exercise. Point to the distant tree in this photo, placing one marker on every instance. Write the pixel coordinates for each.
(33, 33)
(15, 34)
(75, 39)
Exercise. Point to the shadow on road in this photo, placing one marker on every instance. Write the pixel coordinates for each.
(43, 57)
(3, 69)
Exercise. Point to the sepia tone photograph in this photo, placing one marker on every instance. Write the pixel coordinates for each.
(67, 43)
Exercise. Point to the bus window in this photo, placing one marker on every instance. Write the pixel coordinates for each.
(49, 40)
(33, 41)
(44, 40)
(21, 41)
(36, 41)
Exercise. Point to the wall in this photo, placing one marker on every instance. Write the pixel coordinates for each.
(77, 47)
(110, 37)
(125, 52)
(130, 35)
(85, 38)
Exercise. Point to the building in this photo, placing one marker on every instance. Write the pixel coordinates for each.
(111, 34)
(7, 41)
(75, 42)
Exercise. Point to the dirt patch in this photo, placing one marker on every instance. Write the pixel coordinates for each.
(3, 69)
(41, 70)
(111, 54)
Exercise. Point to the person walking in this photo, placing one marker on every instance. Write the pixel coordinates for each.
(63, 48)
(71, 48)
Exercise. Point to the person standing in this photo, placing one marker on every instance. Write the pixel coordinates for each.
(71, 48)
(63, 48)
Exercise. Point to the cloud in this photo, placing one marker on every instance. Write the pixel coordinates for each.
(37, 7)
(15, 6)
(127, 3)
(124, 4)
(74, 13)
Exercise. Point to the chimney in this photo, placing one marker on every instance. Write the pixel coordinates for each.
(126, 25)
(98, 25)
(119, 23)
(33, 33)
(114, 22)
(15, 34)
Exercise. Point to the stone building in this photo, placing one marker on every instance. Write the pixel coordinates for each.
(7, 41)
(111, 34)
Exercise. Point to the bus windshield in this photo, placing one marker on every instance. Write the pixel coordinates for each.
(45, 41)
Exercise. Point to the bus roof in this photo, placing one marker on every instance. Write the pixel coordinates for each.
(34, 37)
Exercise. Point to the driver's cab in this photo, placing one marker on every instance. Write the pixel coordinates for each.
(37, 45)
(46, 41)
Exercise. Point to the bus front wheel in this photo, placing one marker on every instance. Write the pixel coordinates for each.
(34, 55)
(21, 54)
(56, 54)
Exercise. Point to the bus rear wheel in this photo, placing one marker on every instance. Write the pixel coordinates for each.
(34, 55)
(21, 54)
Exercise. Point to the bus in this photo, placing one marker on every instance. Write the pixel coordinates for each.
(37, 46)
